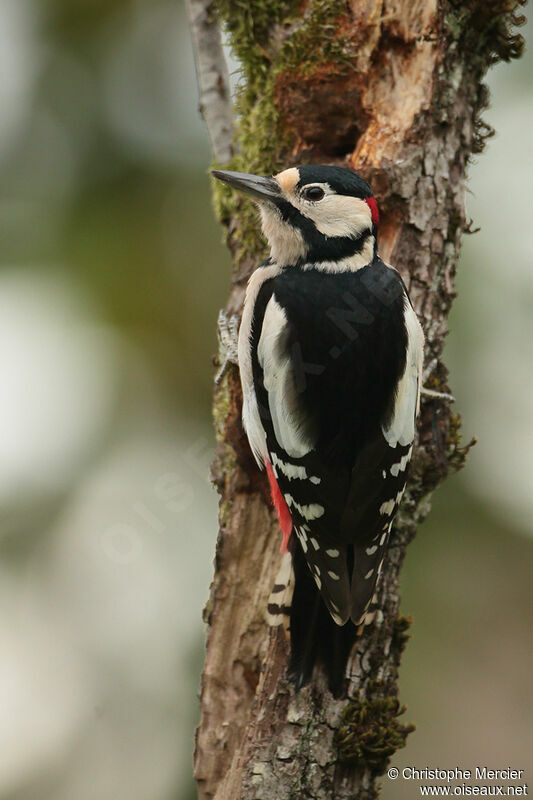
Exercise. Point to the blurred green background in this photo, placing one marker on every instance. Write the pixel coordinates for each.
(112, 273)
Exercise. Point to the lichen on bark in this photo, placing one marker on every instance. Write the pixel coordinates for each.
(393, 89)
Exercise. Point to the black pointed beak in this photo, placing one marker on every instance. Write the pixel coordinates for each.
(258, 187)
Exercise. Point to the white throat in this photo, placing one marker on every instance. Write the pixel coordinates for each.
(287, 245)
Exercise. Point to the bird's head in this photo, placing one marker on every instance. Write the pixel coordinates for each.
(314, 214)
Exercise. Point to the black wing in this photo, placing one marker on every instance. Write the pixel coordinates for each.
(336, 380)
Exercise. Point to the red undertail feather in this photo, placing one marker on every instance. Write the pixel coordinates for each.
(282, 509)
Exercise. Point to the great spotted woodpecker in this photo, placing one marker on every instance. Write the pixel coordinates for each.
(330, 356)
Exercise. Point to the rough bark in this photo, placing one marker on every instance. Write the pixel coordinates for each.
(393, 89)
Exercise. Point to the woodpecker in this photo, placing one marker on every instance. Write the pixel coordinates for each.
(330, 354)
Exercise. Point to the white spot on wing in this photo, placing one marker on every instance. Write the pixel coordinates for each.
(302, 536)
(290, 471)
(386, 508)
(332, 553)
(402, 464)
(371, 550)
(309, 512)
(333, 575)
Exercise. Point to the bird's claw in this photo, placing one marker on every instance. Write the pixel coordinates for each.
(437, 395)
(227, 330)
(431, 392)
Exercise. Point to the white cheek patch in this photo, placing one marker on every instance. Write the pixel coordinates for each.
(338, 215)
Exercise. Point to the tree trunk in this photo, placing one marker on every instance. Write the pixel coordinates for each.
(393, 89)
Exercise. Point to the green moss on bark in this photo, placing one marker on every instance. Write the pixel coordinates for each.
(370, 733)
(271, 39)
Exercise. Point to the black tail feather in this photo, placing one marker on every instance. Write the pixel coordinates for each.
(315, 637)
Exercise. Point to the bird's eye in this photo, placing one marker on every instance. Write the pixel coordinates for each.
(313, 193)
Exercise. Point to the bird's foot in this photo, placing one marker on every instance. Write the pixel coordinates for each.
(437, 395)
(431, 392)
(228, 334)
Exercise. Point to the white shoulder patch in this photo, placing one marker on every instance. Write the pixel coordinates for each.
(288, 418)
(401, 428)
(250, 413)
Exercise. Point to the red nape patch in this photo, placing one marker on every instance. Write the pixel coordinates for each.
(373, 206)
(282, 509)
